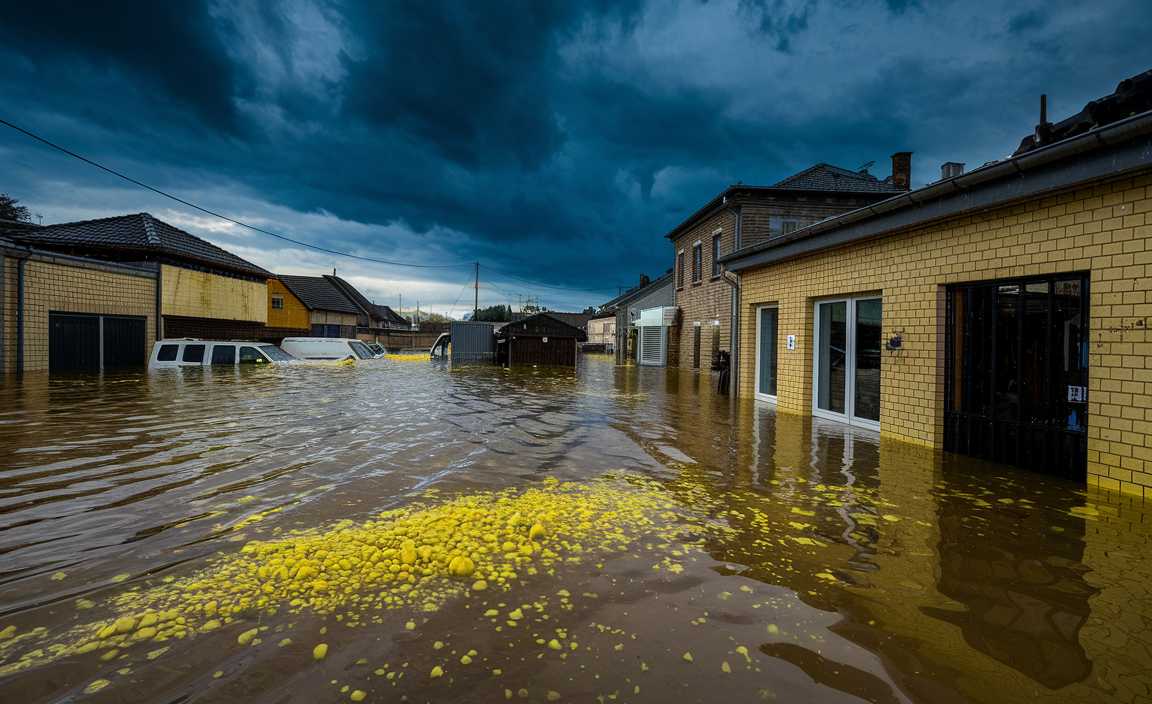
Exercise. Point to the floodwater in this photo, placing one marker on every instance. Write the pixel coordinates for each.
(475, 535)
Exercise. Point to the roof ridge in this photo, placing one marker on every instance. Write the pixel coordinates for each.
(150, 229)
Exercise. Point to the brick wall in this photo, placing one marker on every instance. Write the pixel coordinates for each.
(708, 302)
(1105, 230)
(197, 294)
(66, 285)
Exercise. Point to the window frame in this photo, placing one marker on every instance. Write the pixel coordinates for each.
(680, 270)
(716, 241)
(848, 417)
(767, 398)
(277, 300)
(697, 263)
(791, 221)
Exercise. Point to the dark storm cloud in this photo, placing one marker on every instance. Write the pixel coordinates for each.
(559, 141)
(171, 49)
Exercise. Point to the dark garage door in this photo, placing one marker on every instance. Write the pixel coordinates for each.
(74, 341)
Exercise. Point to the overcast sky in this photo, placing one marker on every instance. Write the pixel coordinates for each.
(556, 142)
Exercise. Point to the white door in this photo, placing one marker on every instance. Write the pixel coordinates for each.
(846, 361)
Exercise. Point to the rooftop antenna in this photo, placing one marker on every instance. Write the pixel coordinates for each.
(865, 167)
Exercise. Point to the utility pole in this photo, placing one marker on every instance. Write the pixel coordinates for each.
(476, 309)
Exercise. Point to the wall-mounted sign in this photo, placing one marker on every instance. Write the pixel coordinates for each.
(545, 339)
(1077, 394)
(791, 342)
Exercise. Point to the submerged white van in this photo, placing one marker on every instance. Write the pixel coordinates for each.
(194, 353)
(327, 348)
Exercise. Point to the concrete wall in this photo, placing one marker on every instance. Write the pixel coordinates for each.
(1105, 230)
(198, 294)
(61, 284)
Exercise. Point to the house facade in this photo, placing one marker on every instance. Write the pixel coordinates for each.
(744, 216)
(330, 313)
(59, 312)
(602, 331)
(204, 291)
(1003, 313)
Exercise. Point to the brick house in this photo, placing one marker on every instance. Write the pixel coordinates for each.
(1004, 313)
(60, 312)
(206, 291)
(742, 216)
(330, 313)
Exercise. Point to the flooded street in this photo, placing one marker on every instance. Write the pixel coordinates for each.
(471, 535)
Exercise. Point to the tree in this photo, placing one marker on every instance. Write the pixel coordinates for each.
(10, 211)
(494, 314)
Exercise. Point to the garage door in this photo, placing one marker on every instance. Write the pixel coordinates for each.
(80, 341)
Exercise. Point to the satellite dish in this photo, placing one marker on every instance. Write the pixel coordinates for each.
(866, 166)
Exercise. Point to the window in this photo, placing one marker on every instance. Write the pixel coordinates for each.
(167, 353)
(788, 226)
(847, 361)
(223, 354)
(715, 256)
(361, 350)
(250, 355)
(277, 303)
(194, 354)
(276, 354)
(696, 264)
(767, 334)
(680, 270)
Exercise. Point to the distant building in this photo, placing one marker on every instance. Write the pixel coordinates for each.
(330, 313)
(626, 309)
(371, 316)
(539, 340)
(602, 331)
(742, 216)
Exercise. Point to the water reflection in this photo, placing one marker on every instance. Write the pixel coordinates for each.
(795, 558)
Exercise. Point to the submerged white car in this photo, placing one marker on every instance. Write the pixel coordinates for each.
(330, 349)
(195, 353)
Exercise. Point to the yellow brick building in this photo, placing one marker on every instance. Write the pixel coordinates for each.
(871, 318)
(62, 311)
(285, 310)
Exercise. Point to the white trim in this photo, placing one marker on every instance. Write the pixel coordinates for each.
(680, 252)
(756, 359)
(849, 363)
(717, 231)
(698, 243)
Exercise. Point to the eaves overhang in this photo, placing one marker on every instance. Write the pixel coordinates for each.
(1106, 152)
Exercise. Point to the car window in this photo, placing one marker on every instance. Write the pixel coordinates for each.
(167, 353)
(361, 350)
(223, 354)
(194, 353)
(251, 355)
(276, 354)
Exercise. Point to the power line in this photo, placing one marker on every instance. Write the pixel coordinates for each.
(462, 290)
(225, 217)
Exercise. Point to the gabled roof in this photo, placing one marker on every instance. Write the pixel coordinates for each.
(318, 293)
(135, 233)
(388, 315)
(540, 325)
(825, 177)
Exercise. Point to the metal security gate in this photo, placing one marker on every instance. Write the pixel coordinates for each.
(81, 341)
(1017, 373)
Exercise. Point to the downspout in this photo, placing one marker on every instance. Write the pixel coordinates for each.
(20, 314)
(734, 323)
(159, 301)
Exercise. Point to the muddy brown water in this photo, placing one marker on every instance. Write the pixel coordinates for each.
(801, 561)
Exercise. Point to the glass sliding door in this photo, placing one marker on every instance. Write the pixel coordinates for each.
(847, 361)
(767, 327)
(867, 367)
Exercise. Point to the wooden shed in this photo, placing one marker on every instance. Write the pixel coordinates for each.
(539, 340)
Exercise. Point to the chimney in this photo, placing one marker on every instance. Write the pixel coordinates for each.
(644, 280)
(950, 169)
(902, 170)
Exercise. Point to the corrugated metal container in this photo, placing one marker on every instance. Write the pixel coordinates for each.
(473, 343)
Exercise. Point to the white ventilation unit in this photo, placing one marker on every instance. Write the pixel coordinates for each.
(654, 345)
